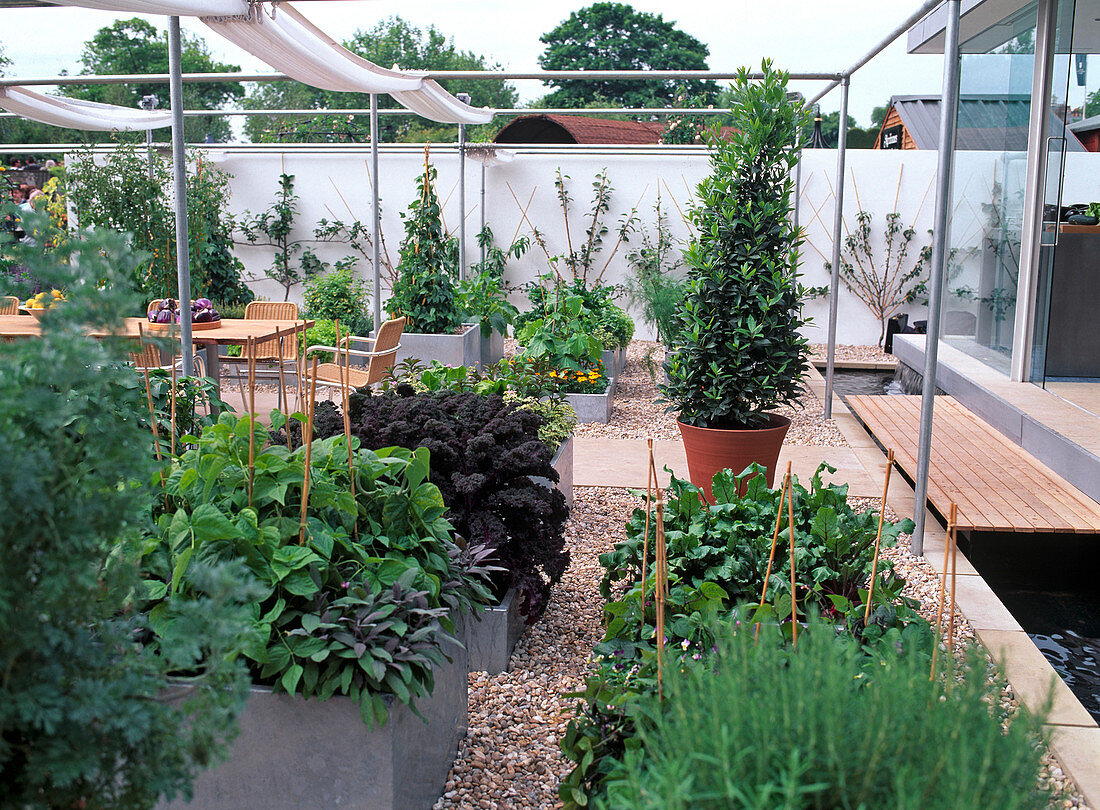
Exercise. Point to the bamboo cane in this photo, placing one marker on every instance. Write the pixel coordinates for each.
(661, 573)
(172, 417)
(943, 589)
(775, 542)
(648, 506)
(954, 532)
(309, 452)
(251, 415)
(794, 593)
(149, 396)
(345, 381)
(283, 401)
(878, 537)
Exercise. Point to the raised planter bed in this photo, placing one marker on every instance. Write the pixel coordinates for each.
(313, 755)
(593, 407)
(613, 361)
(563, 463)
(490, 641)
(460, 349)
(492, 348)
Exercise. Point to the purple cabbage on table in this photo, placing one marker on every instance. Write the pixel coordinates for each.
(166, 311)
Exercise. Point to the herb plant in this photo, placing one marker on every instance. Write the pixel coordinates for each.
(359, 608)
(739, 351)
(82, 722)
(483, 453)
(424, 292)
(341, 296)
(656, 285)
(765, 725)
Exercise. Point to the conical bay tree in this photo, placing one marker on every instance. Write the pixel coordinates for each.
(739, 351)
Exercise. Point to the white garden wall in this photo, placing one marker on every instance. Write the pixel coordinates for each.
(334, 182)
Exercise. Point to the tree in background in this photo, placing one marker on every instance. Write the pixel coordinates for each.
(136, 46)
(613, 36)
(390, 42)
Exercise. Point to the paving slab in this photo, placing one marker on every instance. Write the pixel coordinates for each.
(622, 463)
(1078, 749)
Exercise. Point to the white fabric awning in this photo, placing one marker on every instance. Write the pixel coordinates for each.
(293, 45)
(76, 113)
(172, 8)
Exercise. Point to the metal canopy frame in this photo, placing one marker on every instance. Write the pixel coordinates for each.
(842, 79)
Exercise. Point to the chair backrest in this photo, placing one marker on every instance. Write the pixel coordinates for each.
(389, 337)
(9, 305)
(147, 356)
(273, 311)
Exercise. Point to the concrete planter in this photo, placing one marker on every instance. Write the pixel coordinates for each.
(492, 348)
(563, 463)
(452, 350)
(492, 635)
(593, 407)
(613, 361)
(312, 755)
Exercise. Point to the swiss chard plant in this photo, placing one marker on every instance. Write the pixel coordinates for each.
(484, 452)
(359, 602)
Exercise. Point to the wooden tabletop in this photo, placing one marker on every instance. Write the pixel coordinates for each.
(233, 331)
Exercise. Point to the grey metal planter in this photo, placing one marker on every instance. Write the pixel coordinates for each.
(452, 350)
(492, 348)
(312, 755)
(563, 463)
(613, 361)
(593, 407)
(490, 641)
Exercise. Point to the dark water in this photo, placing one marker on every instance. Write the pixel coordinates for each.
(1050, 586)
(849, 382)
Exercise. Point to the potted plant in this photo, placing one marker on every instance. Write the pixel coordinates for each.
(739, 352)
(424, 292)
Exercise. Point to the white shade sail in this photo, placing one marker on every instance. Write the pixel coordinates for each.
(293, 45)
(76, 113)
(172, 8)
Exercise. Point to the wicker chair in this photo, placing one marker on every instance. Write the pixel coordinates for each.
(382, 356)
(9, 305)
(148, 357)
(268, 351)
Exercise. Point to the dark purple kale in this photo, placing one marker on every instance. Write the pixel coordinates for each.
(484, 454)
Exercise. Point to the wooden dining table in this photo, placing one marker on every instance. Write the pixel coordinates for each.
(232, 332)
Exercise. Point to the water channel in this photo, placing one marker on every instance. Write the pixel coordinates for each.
(1049, 583)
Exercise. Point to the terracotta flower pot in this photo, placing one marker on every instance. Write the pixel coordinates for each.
(709, 450)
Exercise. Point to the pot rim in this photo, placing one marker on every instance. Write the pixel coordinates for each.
(775, 422)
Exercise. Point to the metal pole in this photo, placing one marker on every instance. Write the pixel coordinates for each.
(376, 227)
(944, 175)
(482, 211)
(179, 178)
(462, 202)
(838, 227)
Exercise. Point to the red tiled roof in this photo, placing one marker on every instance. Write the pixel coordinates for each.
(549, 128)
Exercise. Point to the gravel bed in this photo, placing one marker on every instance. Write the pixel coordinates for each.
(848, 354)
(510, 757)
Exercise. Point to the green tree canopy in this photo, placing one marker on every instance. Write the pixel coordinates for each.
(613, 36)
(390, 42)
(20, 130)
(136, 46)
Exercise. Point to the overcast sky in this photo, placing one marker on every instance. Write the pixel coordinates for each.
(800, 35)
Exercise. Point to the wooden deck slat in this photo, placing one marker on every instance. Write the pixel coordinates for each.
(997, 485)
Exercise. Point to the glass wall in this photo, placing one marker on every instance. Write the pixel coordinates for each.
(994, 110)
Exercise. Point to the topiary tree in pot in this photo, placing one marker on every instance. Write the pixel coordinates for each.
(739, 352)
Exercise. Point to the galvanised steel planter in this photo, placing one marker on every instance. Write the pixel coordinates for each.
(313, 755)
(492, 348)
(460, 349)
(492, 635)
(593, 407)
(563, 463)
(613, 361)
